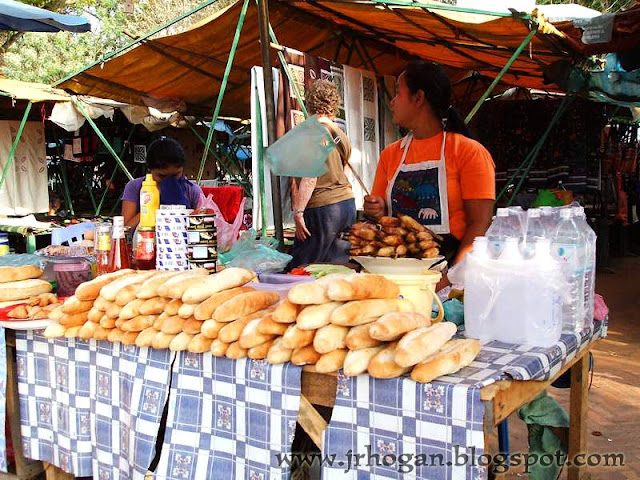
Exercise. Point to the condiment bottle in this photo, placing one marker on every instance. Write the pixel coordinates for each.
(102, 248)
(146, 249)
(149, 202)
(118, 255)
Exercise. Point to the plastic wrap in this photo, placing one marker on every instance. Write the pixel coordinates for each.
(259, 255)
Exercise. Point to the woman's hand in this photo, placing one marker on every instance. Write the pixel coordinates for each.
(302, 233)
(374, 206)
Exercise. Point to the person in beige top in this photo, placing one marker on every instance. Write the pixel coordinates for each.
(324, 206)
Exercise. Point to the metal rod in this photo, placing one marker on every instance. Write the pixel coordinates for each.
(223, 87)
(65, 185)
(261, 180)
(276, 198)
(510, 62)
(138, 40)
(14, 147)
(88, 183)
(102, 138)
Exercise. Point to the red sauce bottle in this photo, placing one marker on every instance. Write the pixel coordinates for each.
(119, 254)
(146, 249)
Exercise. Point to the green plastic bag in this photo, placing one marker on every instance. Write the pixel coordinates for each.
(546, 198)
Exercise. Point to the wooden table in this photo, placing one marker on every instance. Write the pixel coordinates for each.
(501, 400)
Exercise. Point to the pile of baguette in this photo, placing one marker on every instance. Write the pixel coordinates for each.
(22, 283)
(397, 237)
(357, 323)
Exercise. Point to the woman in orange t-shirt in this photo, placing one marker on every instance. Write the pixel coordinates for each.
(437, 174)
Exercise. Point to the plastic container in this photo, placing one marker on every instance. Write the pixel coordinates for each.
(279, 282)
(302, 151)
(70, 275)
(504, 226)
(421, 290)
(4, 244)
(535, 230)
(590, 239)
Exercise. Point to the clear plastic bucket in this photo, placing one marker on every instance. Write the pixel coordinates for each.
(70, 275)
(302, 151)
(421, 290)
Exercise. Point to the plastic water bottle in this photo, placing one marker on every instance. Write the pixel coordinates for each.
(504, 226)
(534, 232)
(477, 291)
(569, 250)
(508, 308)
(549, 218)
(589, 262)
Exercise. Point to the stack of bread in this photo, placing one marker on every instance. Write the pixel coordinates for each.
(396, 237)
(21, 283)
(359, 324)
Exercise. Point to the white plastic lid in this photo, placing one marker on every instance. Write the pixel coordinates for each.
(118, 222)
(533, 213)
(502, 212)
(566, 213)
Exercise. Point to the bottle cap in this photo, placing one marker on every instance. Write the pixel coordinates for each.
(502, 212)
(118, 222)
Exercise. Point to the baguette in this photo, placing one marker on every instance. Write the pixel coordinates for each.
(204, 311)
(383, 365)
(180, 342)
(114, 335)
(153, 306)
(106, 322)
(175, 290)
(119, 322)
(128, 338)
(72, 332)
(392, 326)
(173, 307)
(295, 338)
(417, 345)
(91, 290)
(100, 304)
(232, 331)
(235, 351)
(218, 348)
(312, 293)
(260, 352)
(149, 288)
(210, 328)
(270, 327)
(73, 305)
(192, 326)
(286, 312)
(186, 310)
(74, 320)
(330, 338)
(139, 323)
(127, 294)
(162, 341)
(162, 290)
(362, 287)
(87, 330)
(145, 338)
(199, 344)
(113, 311)
(251, 337)
(16, 274)
(332, 361)
(244, 304)
(305, 356)
(23, 289)
(56, 313)
(54, 330)
(360, 312)
(278, 353)
(357, 361)
(109, 291)
(228, 278)
(172, 325)
(314, 317)
(101, 334)
(359, 338)
(95, 315)
(453, 356)
(131, 310)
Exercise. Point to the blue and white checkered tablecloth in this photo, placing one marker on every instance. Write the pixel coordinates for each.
(129, 387)
(3, 401)
(91, 408)
(53, 387)
(229, 419)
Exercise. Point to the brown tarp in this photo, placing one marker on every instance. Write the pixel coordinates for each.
(189, 66)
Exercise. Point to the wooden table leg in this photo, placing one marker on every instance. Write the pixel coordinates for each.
(25, 469)
(54, 473)
(579, 407)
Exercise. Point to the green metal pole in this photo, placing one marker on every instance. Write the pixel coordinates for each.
(138, 40)
(65, 185)
(14, 147)
(439, 6)
(115, 170)
(261, 182)
(223, 86)
(513, 58)
(102, 138)
(287, 72)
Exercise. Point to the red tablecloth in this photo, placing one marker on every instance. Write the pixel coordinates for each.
(227, 198)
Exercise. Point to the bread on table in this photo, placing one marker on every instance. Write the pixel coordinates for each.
(383, 365)
(392, 326)
(357, 361)
(417, 345)
(226, 279)
(204, 310)
(454, 355)
(17, 274)
(330, 338)
(360, 312)
(314, 317)
(359, 338)
(362, 287)
(23, 289)
(332, 361)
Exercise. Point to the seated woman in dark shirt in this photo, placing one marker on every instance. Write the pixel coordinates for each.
(165, 161)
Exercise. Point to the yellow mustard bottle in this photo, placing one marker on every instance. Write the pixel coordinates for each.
(149, 202)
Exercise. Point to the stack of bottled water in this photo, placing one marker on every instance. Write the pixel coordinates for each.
(572, 243)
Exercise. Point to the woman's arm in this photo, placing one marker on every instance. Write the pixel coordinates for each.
(300, 196)
(129, 212)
